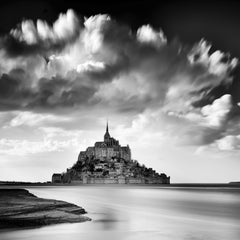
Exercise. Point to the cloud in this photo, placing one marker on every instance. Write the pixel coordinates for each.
(53, 140)
(216, 113)
(108, 62)
(229, 143)
(51, 132)
(100, 66)
(146, 34)
(34, 119)
(211, 122)
(31, 38)
(16, 93)
(14, 89)
(63, 29)
(93, 34)
(25, 147)
(218, 63)
(90, 66)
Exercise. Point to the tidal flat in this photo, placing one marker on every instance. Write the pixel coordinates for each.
(126, 212)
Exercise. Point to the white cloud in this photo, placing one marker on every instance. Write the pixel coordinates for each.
(25, 147)
(58, 65)
(214, 62)
(66, 25)
(80, 55)
(228, 143)
(34, 119)
(217, 66)
(90, 66)
(212, 115)
(64, 28)
(92, 36)
(51, 132)
(200, 53)
(216, 113)
(28, 32)
(146, 34)
(51, 139)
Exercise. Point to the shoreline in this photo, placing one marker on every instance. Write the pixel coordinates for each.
(172, 185)
(21, 209)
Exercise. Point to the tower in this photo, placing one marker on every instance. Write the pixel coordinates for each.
(106, 135)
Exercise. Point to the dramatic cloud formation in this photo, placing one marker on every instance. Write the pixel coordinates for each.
(105, 64)
(217, 63)
(30, 38)
(96, 68)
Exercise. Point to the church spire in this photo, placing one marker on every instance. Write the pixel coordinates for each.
(106, 135)
(107, 127)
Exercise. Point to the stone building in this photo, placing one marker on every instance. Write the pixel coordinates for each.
(106, 149)
(56, 178)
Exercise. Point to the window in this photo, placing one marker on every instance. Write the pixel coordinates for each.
(104, 153)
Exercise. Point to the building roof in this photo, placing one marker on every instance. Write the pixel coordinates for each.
(57, 175)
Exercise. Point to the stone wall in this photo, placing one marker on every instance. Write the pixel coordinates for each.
(119, 180)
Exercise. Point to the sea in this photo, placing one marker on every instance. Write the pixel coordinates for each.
(141, 213)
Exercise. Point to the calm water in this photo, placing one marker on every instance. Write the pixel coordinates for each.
(142, 213)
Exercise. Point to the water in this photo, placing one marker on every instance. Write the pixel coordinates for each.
(142, 213)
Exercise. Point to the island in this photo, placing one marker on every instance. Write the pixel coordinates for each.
(107, 162)
(20, 208)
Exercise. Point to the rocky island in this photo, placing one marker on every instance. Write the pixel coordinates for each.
(20, 208)
(107, 162)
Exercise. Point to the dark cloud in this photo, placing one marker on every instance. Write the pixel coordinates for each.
(235, 86)
(48, 93)
(14, 48)
(59, 92)
(14, 92)
(203, 135)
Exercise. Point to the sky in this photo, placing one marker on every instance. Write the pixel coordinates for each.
(165, 75)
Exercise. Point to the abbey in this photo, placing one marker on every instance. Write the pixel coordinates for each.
(109, 148)
(107, 162)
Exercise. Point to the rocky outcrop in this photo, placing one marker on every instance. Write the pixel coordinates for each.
(20, 208)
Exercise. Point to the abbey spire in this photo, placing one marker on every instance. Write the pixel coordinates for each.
(106, 135)
(107, 127)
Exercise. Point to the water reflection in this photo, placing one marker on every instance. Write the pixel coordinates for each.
(109, 220)
(141, 213)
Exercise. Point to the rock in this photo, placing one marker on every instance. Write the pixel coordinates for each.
(20, 208)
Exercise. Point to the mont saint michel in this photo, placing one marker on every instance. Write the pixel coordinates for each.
(107, 162)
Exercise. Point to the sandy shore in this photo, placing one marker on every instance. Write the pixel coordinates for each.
(20, 208)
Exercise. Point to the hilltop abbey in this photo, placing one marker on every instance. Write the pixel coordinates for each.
(108, 162)
(109, 148)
